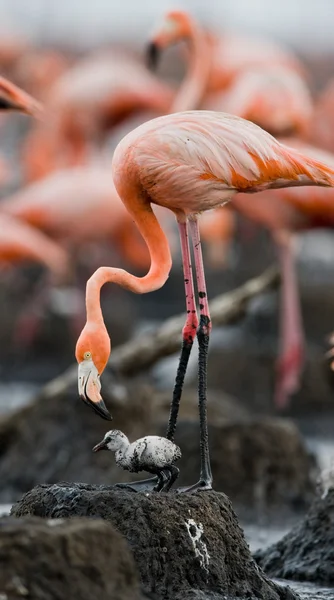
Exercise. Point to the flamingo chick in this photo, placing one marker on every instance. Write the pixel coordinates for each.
(188, 162)
(151, 453)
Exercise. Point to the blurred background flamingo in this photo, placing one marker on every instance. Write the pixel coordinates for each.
(57, 179)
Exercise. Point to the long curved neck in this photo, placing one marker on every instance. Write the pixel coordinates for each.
(161, 260)
(194, 85)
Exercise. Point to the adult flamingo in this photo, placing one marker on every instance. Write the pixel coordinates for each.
(188, 162)
(260, 87)
(225, 57)
(277, 99)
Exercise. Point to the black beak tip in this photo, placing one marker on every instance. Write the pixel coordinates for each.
(6, 104)
(99, 407)
(152, 56)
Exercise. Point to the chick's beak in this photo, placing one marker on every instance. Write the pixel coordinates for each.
(100, 446)
(89, 388)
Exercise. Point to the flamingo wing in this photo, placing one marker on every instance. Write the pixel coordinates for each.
(196, 160)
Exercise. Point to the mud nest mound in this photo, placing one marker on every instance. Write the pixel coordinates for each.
(184, 545)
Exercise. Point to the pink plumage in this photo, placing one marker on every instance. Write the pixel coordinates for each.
(197, 160)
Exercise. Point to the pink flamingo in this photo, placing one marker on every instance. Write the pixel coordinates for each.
(188, 162)
(271, 92)
(278, 99)
(223, 57)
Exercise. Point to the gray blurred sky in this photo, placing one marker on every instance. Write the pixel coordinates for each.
(303, 23)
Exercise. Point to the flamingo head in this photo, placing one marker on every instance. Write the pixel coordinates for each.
(92, 353)
(175, 27)
(13, 98)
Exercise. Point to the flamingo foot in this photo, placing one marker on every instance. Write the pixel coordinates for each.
(200, 486)
(289, 368)
(144, 485)
(162, 482)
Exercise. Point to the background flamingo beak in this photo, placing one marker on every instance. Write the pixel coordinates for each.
(89, 389)
(13, 98)
(152, 55)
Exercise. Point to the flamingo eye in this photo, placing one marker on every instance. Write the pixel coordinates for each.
(87, 355)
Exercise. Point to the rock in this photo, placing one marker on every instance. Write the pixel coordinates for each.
(262, 465)
(306, 553)
(53, 438)
(184, 545)
(56, 559)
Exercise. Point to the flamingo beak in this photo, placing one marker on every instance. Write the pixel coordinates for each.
(13, 98)
(100, 446)
(89, 388)
(153, 53)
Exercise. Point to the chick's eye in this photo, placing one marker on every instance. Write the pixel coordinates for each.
(87, 355)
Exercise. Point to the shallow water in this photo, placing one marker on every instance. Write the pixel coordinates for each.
(308, 591)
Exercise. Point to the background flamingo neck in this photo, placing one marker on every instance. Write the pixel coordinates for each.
(161, 263)
(192, 90)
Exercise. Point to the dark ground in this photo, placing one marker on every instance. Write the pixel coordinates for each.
(183, 544)
(45, 559)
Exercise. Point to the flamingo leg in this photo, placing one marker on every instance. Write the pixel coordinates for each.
(188, 332)
(291, 355)
(188, 336)
(203, 336)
